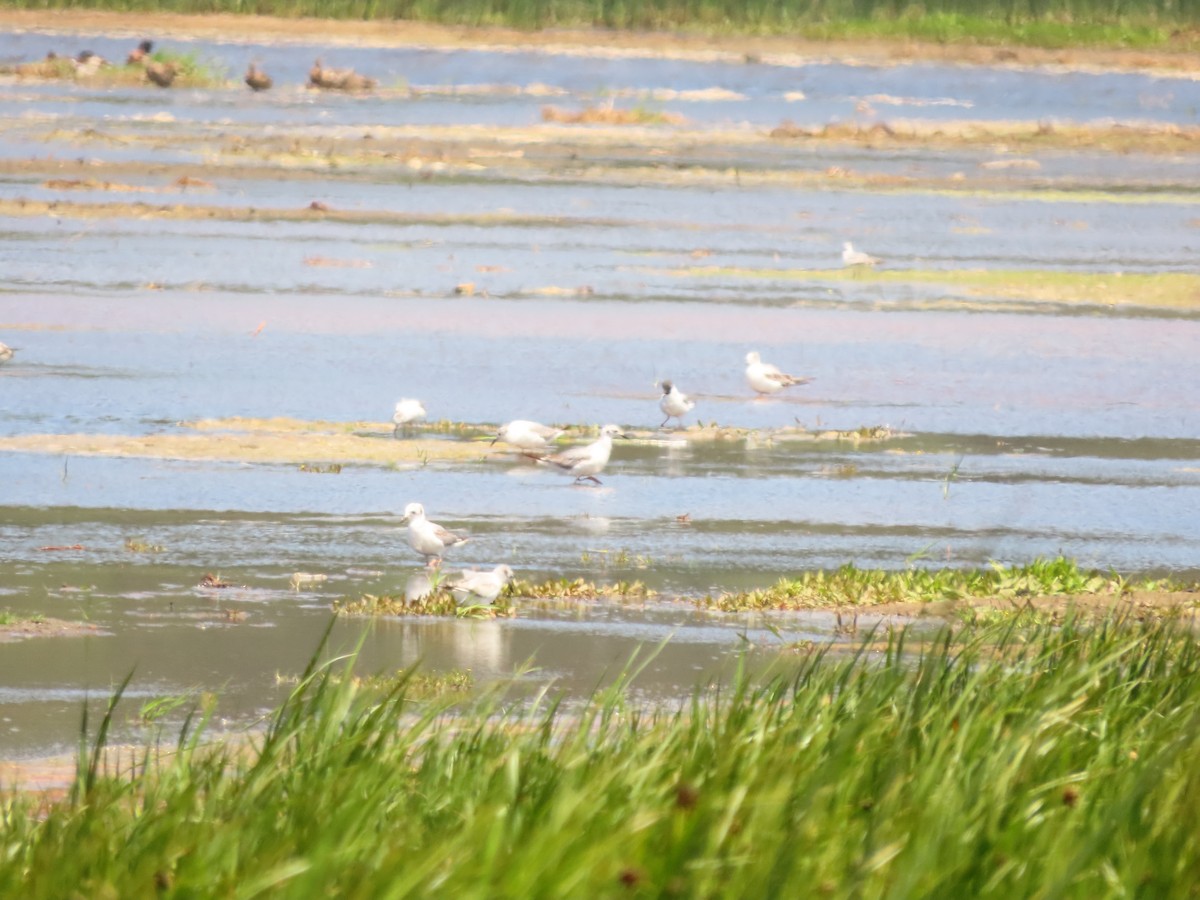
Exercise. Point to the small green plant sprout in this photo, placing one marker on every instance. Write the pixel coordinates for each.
(952, 475)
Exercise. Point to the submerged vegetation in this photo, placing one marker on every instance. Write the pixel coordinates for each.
(998, 761)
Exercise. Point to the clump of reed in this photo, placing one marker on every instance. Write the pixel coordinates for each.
(1002, 761)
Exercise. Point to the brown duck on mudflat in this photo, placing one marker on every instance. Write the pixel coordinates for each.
(355, 82)
(338, 79)
(162, 74)
(257, 79)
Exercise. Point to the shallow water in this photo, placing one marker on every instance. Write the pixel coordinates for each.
(1023, 428)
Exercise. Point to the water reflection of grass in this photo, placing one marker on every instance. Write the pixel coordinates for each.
(999, 760)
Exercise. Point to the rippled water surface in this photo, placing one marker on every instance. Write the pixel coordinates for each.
(1022, 428)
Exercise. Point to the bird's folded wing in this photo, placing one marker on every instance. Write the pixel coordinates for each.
(447, 537)
(568, 458)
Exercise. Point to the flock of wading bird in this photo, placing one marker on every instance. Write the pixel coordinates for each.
(163, 72)
(531, 439)
(535, 441)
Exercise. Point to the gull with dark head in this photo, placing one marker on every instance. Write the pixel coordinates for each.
(765, 378)
(852, 257)
(428, 538)
(486, 586)
(586, 462)
(526, 435)
(674, 403)
(407, 412)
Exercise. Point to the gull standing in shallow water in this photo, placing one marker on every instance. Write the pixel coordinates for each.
(407, 412)
(852, 257)
(6, 353)
(585, 463)
(526, 435)
(765, 378)
(428, 538)
(674, 403)
(484, 585)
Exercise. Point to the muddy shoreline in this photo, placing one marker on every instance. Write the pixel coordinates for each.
(780, 51)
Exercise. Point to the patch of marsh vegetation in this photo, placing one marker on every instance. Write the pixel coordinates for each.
(440, 602)
(1005, 761)
(1161, 290)
(581, 589)
(436, 603)
(852, 586)
(8, 618)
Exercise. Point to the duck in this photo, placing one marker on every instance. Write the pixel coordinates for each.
(139, 53)
(352, 81)
(160, 73)
(328, 79)
(88, 63)
(257, 79)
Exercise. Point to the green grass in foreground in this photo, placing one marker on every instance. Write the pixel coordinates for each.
(999, 762)
(1143, 24)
